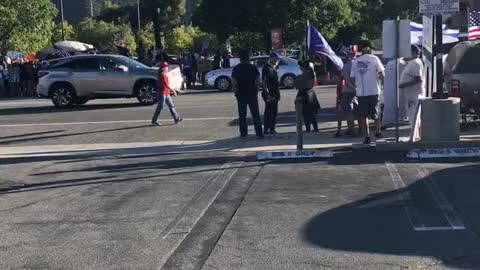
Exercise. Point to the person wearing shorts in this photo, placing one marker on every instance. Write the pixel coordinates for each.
(367, 73)
(347, 103)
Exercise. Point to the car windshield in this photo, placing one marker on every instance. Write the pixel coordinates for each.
(131, 63)
(289, 61)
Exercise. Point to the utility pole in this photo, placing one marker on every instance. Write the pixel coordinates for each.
(63, 19)
(138, 17)
(91, 8)
(157, 26)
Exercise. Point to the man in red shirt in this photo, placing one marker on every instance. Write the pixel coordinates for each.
(163, 96)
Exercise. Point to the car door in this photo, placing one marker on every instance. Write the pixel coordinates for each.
(259, 62)
(116, 78)
(85, 75)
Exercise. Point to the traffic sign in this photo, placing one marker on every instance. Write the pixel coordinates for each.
(439, 7)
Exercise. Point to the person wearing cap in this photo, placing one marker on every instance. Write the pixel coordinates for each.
(305, 83)
(246, 85)
(271, 93)
(348, 100)
(163, 96)
(411, 83)
(367, 74)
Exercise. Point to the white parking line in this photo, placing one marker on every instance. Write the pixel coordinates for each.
(408, 205)
(445, 206)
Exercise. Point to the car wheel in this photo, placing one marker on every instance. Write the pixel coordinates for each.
(81, 101)
(63, 96)
(146, 93)
(289, 81)
(223, 84)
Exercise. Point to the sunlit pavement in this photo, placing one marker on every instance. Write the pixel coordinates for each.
(96, 187)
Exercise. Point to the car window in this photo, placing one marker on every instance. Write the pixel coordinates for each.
(130, 62)
(288, 61)
(469, 62)
(108, 64)
(83, 64)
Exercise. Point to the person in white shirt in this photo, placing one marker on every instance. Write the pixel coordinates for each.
(367, 74)
(411, 83)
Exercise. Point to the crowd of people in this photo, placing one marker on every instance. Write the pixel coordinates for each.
(18, 77)
(361, 94)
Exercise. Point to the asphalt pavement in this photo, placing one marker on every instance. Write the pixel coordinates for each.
(96, 187)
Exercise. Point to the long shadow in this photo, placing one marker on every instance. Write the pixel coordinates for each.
(31, 134)
(70, 134)
(111, 179)
(52, 109)
(326, 115)
(380, 225)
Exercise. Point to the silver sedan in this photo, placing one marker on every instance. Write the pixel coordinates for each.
(288, 70)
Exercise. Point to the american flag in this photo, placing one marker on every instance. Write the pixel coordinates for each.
(474, 25)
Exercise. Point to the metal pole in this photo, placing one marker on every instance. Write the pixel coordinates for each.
(439, 56)
(91, 8)
(138, 16)
(299, 113)
(397, 76)
(63, 19)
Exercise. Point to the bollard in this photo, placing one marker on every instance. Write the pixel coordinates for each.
(299, 112)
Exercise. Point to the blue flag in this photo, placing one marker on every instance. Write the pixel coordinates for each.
(316, 44)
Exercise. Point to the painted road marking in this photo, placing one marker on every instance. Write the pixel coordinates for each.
(184, 211)
(445, 206)
(302, 154)
(408, 205)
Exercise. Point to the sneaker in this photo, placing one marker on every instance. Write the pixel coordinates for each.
(378, 135)
(273, 131)
(367, 140)
(157, 124)
(178, 120)
(266, 132)
(338, 134)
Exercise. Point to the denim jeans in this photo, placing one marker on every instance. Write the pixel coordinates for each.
(162, 99)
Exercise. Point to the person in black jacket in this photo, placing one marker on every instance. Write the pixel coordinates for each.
(271, 93)
(246, 84)
(305, 83)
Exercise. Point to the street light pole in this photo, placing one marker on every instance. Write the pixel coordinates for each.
(138, 16)
(63, 19)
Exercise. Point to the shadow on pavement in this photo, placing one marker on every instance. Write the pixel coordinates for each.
(181, 167)
(379, 224)
(31, 134)
(65, 135)
(52, 109)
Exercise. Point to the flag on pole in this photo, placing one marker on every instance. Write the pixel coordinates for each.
(474, 25)
(317, 44)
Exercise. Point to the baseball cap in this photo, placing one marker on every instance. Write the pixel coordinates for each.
(164, 64)
(365, 44)
(275, 55)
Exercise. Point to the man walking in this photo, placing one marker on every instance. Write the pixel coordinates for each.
(411, 83)
(246, 84)
(271, 93)
(163, 96)
(367, 74)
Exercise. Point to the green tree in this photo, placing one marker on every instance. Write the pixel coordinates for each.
(101, 35)
(68, 30)
(147, 36)
(247, 40)
(260, 16)
(25, 25)
(180, 38)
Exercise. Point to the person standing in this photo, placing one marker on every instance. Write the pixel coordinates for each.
(411, 83)
(348, 102)
(305, 83)
(163, 96)
(367, 74)
(246, 84)
(217, 61)
(123, 49)
(271, 93)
